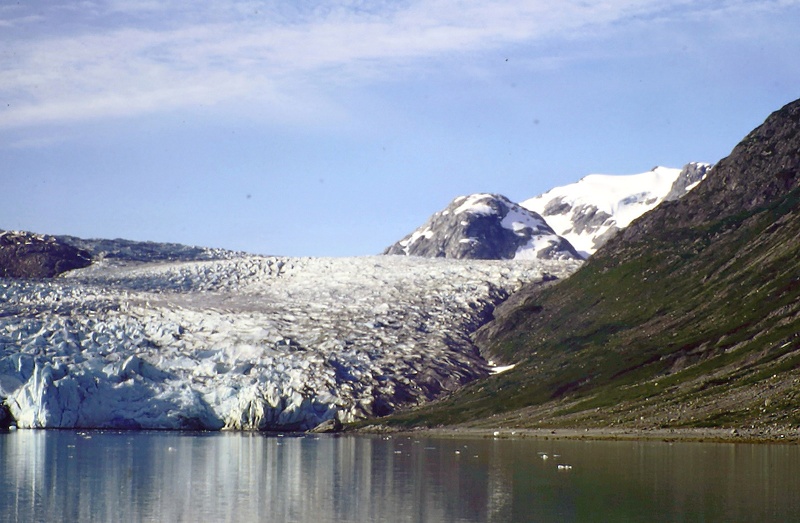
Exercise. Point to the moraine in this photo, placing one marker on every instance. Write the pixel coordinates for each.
(249, 343)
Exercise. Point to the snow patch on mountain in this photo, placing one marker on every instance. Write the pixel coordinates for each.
(252, 343)
(588, 212)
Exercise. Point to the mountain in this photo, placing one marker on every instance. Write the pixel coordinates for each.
(590, 211)
(688, 318)
(485, 227)
(29, 255)
(568, 222)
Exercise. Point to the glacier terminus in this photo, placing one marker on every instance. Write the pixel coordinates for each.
(247, 342)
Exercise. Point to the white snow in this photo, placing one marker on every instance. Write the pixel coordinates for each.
(474, 204)
(534, 233)
(538, 243)
(623, 197)
(693, 185)
(246, 343)
(517, 220)
(521, 222)
(501, 368)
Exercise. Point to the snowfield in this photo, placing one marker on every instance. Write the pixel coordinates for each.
(592, 209)
(249, 343)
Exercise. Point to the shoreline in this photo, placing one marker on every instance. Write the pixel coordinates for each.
(782, 435)
(786, 435)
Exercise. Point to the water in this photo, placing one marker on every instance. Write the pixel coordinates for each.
(162, 476)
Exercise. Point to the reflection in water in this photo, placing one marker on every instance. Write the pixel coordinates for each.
(163, 476)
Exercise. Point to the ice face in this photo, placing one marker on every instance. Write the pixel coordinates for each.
(250, 343)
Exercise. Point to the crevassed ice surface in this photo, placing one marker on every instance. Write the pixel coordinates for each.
(253, 343)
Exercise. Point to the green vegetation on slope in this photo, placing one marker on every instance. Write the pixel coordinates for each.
(691, 319)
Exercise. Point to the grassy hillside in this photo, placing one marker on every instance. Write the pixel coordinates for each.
(689, 318)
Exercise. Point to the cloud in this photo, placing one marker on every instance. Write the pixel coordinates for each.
(122, 58)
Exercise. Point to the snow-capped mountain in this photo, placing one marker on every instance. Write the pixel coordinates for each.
(592, 210)
(485, 226)
(250, 342)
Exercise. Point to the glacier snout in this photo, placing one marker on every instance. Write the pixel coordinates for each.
(248, 343)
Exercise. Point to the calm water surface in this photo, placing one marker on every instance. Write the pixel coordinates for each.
(163, 476)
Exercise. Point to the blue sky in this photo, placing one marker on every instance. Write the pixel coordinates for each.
(335, 128)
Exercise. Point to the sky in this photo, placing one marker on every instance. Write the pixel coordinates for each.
(335, 128)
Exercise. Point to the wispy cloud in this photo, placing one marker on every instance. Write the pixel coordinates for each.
(117, 58)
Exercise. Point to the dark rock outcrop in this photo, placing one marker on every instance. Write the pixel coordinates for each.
(761, 169)
(28, 255)
(691, 174)
(5, 417)
(485, 227)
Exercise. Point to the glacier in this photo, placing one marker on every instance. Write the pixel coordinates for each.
(248, 342)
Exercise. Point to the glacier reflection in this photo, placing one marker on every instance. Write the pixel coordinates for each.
(159, 476)
(167, 476)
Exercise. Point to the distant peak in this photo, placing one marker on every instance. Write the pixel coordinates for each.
(485, 226)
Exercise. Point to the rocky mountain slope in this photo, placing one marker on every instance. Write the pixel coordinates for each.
(592, 210)
(137, 251)
(485, 227)
(28, 255)
(688, 318)
(248, 342)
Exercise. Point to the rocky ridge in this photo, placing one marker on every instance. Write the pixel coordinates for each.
(29, 255)
(137, 251)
